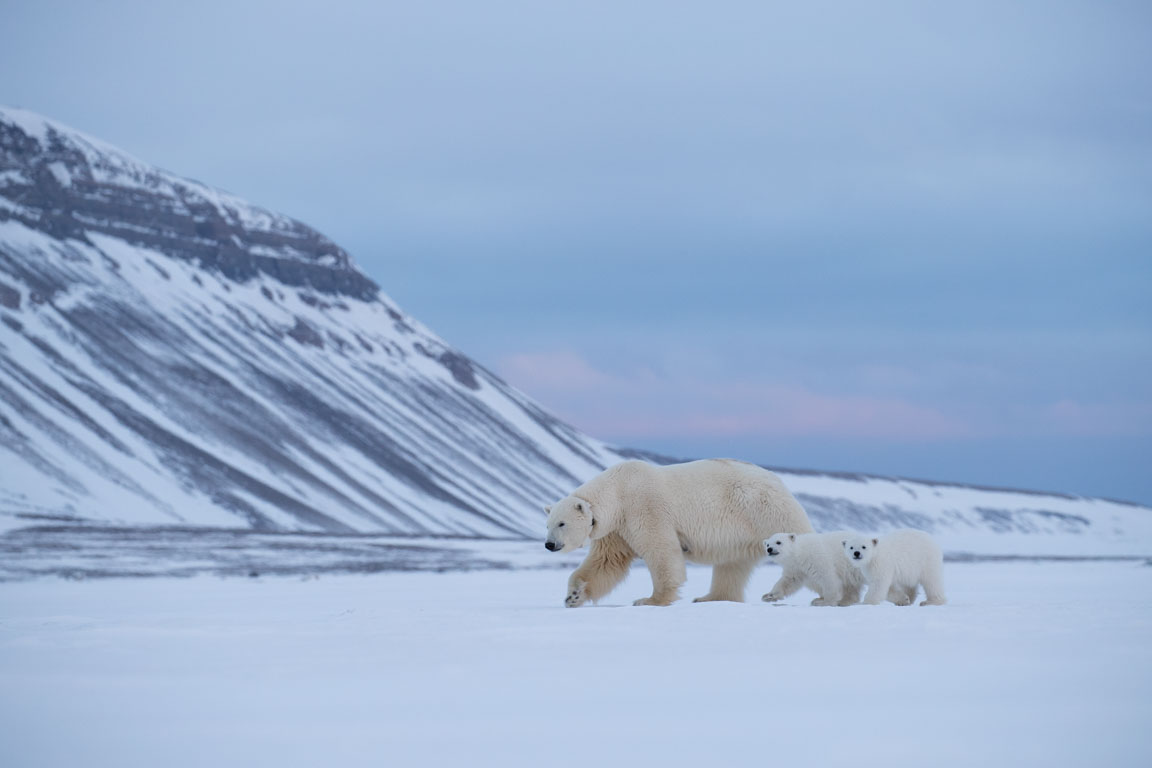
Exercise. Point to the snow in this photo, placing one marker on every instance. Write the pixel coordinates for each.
(32, 124)
(60, 171)
(217, 325)
(1029, 664)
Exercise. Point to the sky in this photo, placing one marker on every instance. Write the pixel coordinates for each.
(896, 237)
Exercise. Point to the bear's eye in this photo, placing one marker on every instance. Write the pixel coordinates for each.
(561, 525)
(860, 547)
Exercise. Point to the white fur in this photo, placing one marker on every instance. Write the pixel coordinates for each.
(716, 511)
(896, 564)
(815, 561)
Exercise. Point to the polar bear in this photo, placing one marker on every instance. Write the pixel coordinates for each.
(815, 561)
(715, 511)
(895, 564)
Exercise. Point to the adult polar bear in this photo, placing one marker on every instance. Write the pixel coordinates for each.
(715, 511)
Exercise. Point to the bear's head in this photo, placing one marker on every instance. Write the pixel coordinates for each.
(779, 545)
(859, 549)
(570, 524)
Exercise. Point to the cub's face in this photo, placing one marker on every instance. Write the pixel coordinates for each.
(859, 549)
(569, 524)
(779, 546)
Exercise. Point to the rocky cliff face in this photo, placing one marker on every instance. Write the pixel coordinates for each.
(67, 185)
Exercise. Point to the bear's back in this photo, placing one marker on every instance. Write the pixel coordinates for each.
(909, 545)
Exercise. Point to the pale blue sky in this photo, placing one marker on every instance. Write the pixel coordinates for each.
(908, 238)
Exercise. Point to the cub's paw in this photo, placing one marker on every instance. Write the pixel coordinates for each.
(772, 597)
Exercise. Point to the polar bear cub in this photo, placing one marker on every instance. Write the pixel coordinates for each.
(816, 561)
(895, 565)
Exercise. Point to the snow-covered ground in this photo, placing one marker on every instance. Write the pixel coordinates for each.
(1030, 664)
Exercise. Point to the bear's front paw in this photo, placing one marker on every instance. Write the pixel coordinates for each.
(576, 596)
(772, 597)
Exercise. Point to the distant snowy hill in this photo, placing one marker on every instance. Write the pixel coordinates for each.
(173, 355)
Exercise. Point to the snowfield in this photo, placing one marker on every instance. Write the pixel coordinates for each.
(1030, 664)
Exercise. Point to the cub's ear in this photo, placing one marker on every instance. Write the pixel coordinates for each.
(791, 537)
(579, 506)
(844, 543)
(875, 542)
(548, 508)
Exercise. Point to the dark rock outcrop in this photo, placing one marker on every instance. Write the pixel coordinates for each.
(62, 184)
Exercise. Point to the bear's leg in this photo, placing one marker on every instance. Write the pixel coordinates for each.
(831, 593)
(728, 581)
(933, 591)
(609, 559)
(878, 586)
(899, 595)
(665, 561)
(851, 594)
(789, 584)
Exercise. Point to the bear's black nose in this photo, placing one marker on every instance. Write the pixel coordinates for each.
(548, 545)
(856, 555)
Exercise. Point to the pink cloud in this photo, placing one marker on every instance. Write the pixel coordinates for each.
(639, 403)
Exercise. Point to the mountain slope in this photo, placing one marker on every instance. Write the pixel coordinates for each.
(171, 355)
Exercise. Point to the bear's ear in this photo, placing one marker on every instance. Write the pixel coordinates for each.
(844, 543)
(579, 506)
(548, 508)
(875, 542)
(791, 537)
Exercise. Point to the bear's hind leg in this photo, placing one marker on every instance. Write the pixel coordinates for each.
(831, 593)
(933, 591)
(729, 580)
(666, 564)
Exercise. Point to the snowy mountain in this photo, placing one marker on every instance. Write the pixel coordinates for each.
(171, 355)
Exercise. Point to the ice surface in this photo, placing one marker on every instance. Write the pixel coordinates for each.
(1029, 664)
